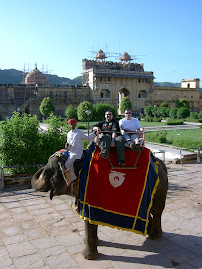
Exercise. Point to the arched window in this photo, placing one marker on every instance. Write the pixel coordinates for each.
(143, 94)
(105, 93)
(124, 92)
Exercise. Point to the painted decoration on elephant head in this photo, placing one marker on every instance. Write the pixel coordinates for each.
(116, 178)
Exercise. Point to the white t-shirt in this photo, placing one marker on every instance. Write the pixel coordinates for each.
(74, 139)
(132, 124)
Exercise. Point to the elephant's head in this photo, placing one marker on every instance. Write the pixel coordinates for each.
(50, 178)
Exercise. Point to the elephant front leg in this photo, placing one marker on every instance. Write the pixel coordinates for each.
(90, 252)
(154, 228)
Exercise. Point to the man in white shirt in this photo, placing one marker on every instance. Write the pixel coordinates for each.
(131, 130)
(75, 146)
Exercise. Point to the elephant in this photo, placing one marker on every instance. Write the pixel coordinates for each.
(50, 178)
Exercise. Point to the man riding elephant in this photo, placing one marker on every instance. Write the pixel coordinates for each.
(75, 147)
(111, 136)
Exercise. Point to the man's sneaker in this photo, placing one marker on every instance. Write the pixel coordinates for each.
(129, 142)
(132, 146)
(135, 147)
(122, 163)
(104, 155)
(127, 145)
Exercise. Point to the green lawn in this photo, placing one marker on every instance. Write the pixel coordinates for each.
(191, 138)
(193, 134)
(151, 124)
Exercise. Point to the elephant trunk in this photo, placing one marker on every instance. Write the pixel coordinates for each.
(38, 181)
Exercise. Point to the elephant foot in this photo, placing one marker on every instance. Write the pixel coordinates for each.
(90, 255)
(154, 236)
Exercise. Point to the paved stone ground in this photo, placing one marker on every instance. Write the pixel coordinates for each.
(36, 232)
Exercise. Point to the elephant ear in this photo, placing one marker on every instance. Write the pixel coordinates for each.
(58, 184)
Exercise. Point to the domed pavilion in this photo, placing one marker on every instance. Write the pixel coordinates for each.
(36, 78)
(125, 57)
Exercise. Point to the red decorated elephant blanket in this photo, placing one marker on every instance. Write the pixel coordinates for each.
(117, 196)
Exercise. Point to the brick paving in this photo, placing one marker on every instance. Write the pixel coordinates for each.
(36, 232)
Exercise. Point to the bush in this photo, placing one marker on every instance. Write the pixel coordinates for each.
(81, 126)
(159, 137)
(173, 113)
(200, 115)
(19, 141)
(164, 104)
(194, 115)
(50, 141)
(163, 112)
(57, 123)
(22, 143)
(155, 111)
(148, 118)
(174, 122)
(155, 119)
(183, 112)
(148, 111)
(160, 112)
(189, 119)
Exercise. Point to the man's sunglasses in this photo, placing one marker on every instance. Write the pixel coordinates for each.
(128, 113)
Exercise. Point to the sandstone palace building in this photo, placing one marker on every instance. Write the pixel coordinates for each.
(102, 82)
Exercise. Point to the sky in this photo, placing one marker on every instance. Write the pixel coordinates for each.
(166, 36)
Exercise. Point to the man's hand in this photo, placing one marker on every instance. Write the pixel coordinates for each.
(140, 131)
(129, 131)
(113, 143)
(96, 130)
(66, 145)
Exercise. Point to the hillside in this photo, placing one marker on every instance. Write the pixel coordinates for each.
(167, 84)
(12, 76)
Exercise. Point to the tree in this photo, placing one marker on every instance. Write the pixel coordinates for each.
(125, 104)
(47, 107)
(182, 103)
(101, 108)
(71, 112)
(81, 111)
